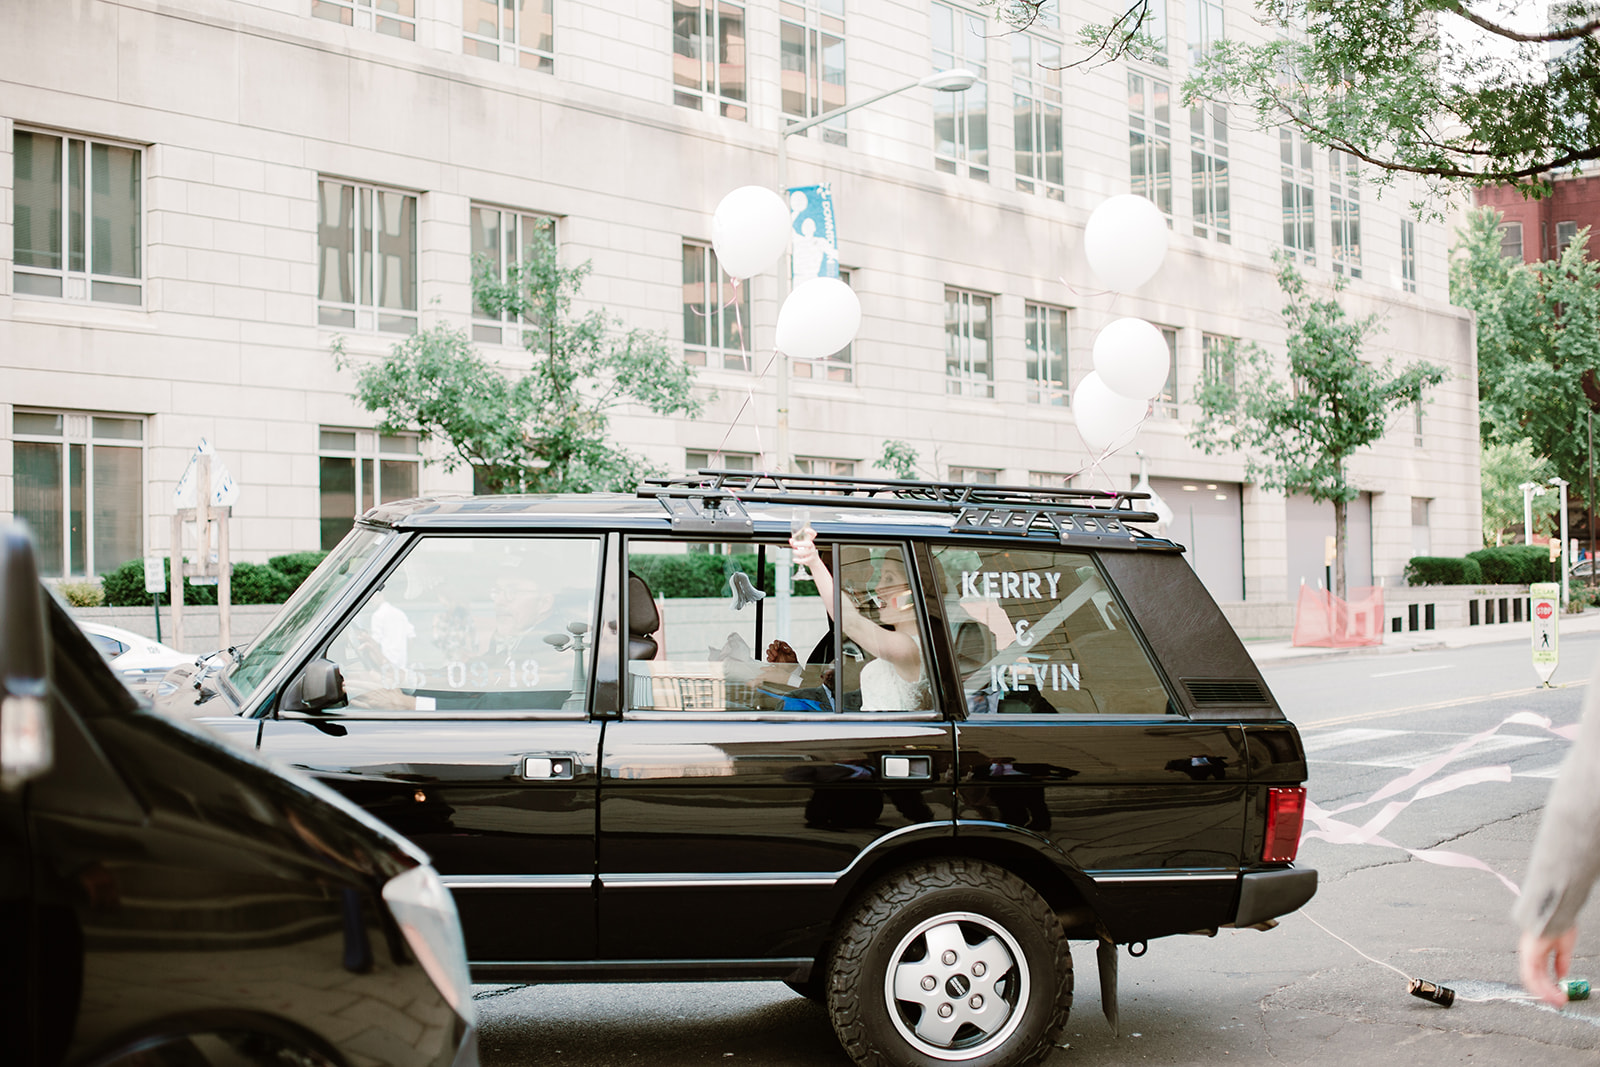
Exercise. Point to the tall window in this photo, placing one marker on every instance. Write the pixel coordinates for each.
(361, 468)
(1511, 240)
(521, 32)
(1205, 27)
(1166, 402)
(1344, 205)
(716, 313)
(79, 485)
(1150, 139)
(1408, 255)
(1036, 115)
(396, 18)
(1299, 214)
(1155, 24)
(367, 257)
(501, 238)
(708, 56)
(1216, 355)
(839, 367)
(811, 42)
(968, 343)
(76, 217)
(1208, 155)
(1565, 232)
(1046, 341)
(1421, 537)
(961, 120)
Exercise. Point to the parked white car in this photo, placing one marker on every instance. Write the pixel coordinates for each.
(140, 661)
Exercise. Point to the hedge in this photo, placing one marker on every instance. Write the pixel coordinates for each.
(253, 583)
(703, 574)
(1514, 564)
(1443, 570)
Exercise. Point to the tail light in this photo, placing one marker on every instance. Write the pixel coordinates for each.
(1286, 812)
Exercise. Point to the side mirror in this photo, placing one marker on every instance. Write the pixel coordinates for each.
(26, 750)
(319, 686)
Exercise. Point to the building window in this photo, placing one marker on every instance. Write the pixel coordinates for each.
(811, 43)
(839, 367)
(1049, 480)
(961, 120)
(1421, 539)
(1511, 240)
(78, 482)
(1150, 139)
(1344, 205)
(500, 240)
(396, 18)
(720, 461)
(716, 315)
(1166, 402)
(367, 257)
(708, 56)
(1155, 25)
(1205, 27)
(1299, 212)
(361, 468)
(823, 467)
(1408, 255)
(1208, 154)
(520, 32)
(1565, 232)
(975, 475)
(76, 218)
(1217, 359)
(1046, 341)
(1036, 115)
(1416, 424)
(968, 343)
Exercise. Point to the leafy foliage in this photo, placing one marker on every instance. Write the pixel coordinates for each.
(1514, 564)
(1429, 87)
(704, 574)
(85, 593)
(253, 583)
(1538, 342)
(1504, 469)
(1298, 424)
(548, 429)
(898, 458)
(296, 566)
(1443, 570)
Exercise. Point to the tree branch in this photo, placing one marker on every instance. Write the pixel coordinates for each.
(1570, 33)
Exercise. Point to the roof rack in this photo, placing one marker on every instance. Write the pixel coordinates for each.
(1012, 510)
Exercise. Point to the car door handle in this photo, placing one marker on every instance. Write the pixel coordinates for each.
(907, 767)
(547, 768)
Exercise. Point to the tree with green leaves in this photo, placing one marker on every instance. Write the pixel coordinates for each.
(1298, 421)
(1538, 343)
(545, 430)
(1452, 91)
(1505, 468)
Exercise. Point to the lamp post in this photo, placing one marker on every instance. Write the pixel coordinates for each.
(1566, 597)
(1529, 491)
(955, 80)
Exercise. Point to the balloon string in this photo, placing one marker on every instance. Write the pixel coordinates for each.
(750, 391)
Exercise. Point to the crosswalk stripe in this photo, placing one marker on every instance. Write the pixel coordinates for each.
(1351, 736)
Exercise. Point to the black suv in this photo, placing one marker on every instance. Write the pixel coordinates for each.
(637, 746)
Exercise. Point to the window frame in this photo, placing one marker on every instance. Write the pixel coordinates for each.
(961, 379)
(367, 458)
(1165, 403)
(1036, 91)
(369, 15)
(1214, 349)
(710, 88)
(509, 45)
(1044, 389)
(1507, 229)
(1210, 194)
(719, 318)
(80, 286)
(1344, 211)
(1148, 134)
(964, 112)
(1297, 162)
(365, 314)
(513, 247)
(840, 365)
(815, 20)
(79, 561)
(1408, 255)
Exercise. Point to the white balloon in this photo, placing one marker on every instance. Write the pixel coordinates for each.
(750, 230)
(1131, 357)
(1106, 420)
(1125, 241)
(820, 317)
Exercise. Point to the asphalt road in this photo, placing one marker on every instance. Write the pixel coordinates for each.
(1329, 985)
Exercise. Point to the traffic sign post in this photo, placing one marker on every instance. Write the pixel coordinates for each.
(1546, 615)
(155, 583)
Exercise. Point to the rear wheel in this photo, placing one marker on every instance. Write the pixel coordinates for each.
(951, 961)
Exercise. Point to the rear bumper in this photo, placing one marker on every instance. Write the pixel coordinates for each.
(1266, 895)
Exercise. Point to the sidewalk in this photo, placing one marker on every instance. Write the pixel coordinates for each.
(1274, 652)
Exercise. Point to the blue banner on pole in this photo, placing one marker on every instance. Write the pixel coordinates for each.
(815, 251)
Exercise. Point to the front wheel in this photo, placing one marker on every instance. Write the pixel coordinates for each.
(951, 961)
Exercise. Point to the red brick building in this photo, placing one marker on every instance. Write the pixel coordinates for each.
(1535, 230)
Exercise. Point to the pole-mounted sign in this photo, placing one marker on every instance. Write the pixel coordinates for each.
(1546, 616)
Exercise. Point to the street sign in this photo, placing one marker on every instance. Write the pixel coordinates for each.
(1546, 616)
(155, 574)
(224, 491)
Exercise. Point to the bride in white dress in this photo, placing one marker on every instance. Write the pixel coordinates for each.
(895, 679)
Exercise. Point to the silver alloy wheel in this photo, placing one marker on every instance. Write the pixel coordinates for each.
(956, 986)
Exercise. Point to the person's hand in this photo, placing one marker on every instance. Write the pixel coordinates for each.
(1541, 955)
(805, 550)
(781, 652)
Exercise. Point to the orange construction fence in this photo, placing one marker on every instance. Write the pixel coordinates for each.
(1322, 620)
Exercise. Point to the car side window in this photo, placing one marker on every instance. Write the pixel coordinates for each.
(705, 633)
(475, 623)
(1036, 631)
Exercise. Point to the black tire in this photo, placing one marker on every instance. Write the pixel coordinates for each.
(1001, 983)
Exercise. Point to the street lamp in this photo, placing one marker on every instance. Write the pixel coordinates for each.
(1529, 491)
(1566, 597)
(955, 80)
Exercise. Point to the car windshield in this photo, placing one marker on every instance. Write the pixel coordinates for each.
(286, 630)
